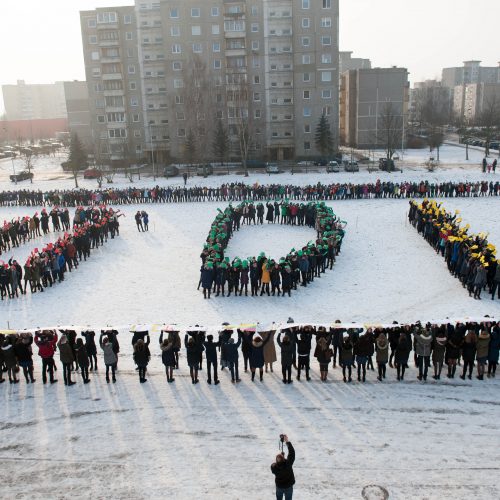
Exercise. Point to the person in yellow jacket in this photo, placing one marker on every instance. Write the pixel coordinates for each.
(266, 278)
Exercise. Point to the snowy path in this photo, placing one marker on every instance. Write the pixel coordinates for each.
(434, 440)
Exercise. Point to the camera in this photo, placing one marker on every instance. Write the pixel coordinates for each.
(282, 438)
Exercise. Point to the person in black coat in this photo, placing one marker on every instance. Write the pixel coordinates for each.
(193, 351)
(83, 360)
(24, 355)
(257, 355)
(287, 351)
(283, 472)
(168, 357)
(304, 353)
(211, 355)
(207, 279)
(232, 357)
(141, 359)
(91, 348)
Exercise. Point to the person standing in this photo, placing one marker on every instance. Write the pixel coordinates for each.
(46, 342)
(67, 358)
(138, 221)
(282, 469)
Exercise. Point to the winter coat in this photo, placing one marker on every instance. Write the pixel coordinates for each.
(483, 343)
(346, 353)
(269, 348)
(469, 350)
(141, 356)
(207, 278)
(287, 351)
(23, 352)
(9, 356)
(480, 278)
(323, 353)
(266, 277)
(382, 349)
(90, 342)
(438, 349)
(193, 351)
(65, 353)
(402, 351)
(211, 350)
(453, 346)
(494, 347)
(110, 357)
(244, 277)
(423, 343)
(283, 471)
(304, 344)
(362, 347)
(82, 356)
(257, 352)
(48, 348)
(231, 350)
(168, 355)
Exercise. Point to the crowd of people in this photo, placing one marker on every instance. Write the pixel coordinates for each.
(356, 351)
(470, 258)
(239, 191)
(264, 274)
(47, 266)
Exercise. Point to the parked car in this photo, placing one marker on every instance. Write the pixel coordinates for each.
(92, 173)
(204, 170)
(272, 168)
(170, 171)
(21, 176)
(351, 166)
(322, 162)
(333, 167)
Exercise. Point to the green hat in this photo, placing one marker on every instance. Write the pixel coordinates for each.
(244, 264)
(210, 265)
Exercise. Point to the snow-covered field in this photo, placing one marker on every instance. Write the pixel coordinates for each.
(128, 440)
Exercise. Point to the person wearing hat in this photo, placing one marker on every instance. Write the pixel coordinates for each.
(67, 358)
(257, 355)
(138, 221)
(220, 277)
(303, 342)
(244, 274)
(211, 356)
(287, 352)
(167, 357)
(282, 469)
(194, 349)
(275, 277)
(234, 277)
(110, 356)
(324, 355)
(382, 355)
(265, 277)
(141, 358)
(254, 277)
(483, 342)
(207, 278)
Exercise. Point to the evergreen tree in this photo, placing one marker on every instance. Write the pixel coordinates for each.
(220, 145)
(323, 137)
(77, 157)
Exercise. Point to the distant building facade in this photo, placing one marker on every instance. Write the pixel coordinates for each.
(348, 63)
(77, 107)
(366, 96)
(34, 101)
(433, 93)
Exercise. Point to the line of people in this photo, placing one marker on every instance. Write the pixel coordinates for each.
(46, 266)
(239, 191)
(470, 258)
(264, 274)
(353, 350)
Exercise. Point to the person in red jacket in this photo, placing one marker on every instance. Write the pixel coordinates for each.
(46, 342)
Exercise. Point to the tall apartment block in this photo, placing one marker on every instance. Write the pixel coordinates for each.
(272, 64)
(368, 99)
(113, 77)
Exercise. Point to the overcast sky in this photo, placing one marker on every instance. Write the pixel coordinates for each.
(40, 40)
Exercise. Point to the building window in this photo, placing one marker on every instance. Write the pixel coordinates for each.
(327, 4)
(92, 39)
(134, 101)
(101, 119)
(98, 87)
(91, 23)
(255, 62)
(176, 48)
(217, 64)
(195, 12)
(137, 133)
(255, 45)
(132, 85)
(179, 115)
(306, 94)
(197, 48)
(326, 76)
(256, 79)
(131, 69)
(326, 22)
(181, 132)
(127, 19)
(307, 146)
(135, 118)
(327, 110)
(306, 59)
(306, 111)
(96, 72)
(94, 56)
(106, 17)
(326, 94)
(177, 65)
(178, 83)
(255, 27)
(195, 30)
(215, 29)
(256, 96)
(326, 40)
(257, 113)
(214, 11)
(216, 47)
(306, 22)
(306, 41)
(99, 103)
(326, 58)
(307, 128)
(306, 77)
(235, 25)
(130, 52)
(174, 13)
(175, 30)
(117, 133)
(305, 4)
(179, 99)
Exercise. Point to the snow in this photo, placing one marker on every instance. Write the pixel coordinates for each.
(435, 440)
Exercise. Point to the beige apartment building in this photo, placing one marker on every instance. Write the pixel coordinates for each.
(366, 98)
(265, 67)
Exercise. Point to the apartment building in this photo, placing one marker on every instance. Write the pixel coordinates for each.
(77, 106)
(265, 67)
(112, 69)
(475, 98)
(34, 101)
(433, 93)
(367, 97)
(348, 63)
(470, 72)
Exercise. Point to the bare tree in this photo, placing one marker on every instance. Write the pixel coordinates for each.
(464, 132)
(390, 129)
(489, 122)
(433, 116)
(28, 159)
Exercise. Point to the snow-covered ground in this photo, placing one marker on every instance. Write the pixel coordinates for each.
(128, 440)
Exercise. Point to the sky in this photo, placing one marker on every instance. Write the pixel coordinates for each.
(40, 40)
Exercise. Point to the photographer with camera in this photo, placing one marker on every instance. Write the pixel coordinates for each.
(283, 470)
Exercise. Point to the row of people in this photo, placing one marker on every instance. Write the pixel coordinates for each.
(470, 258)
(256, 192)
(433, 345)
(46, 266)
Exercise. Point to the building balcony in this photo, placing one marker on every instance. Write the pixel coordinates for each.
(105, 60)
(107, 26)
(109, 43)
(235, 52)
(112, 76)
(111, 93)
(234, 34)
(114, 109)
